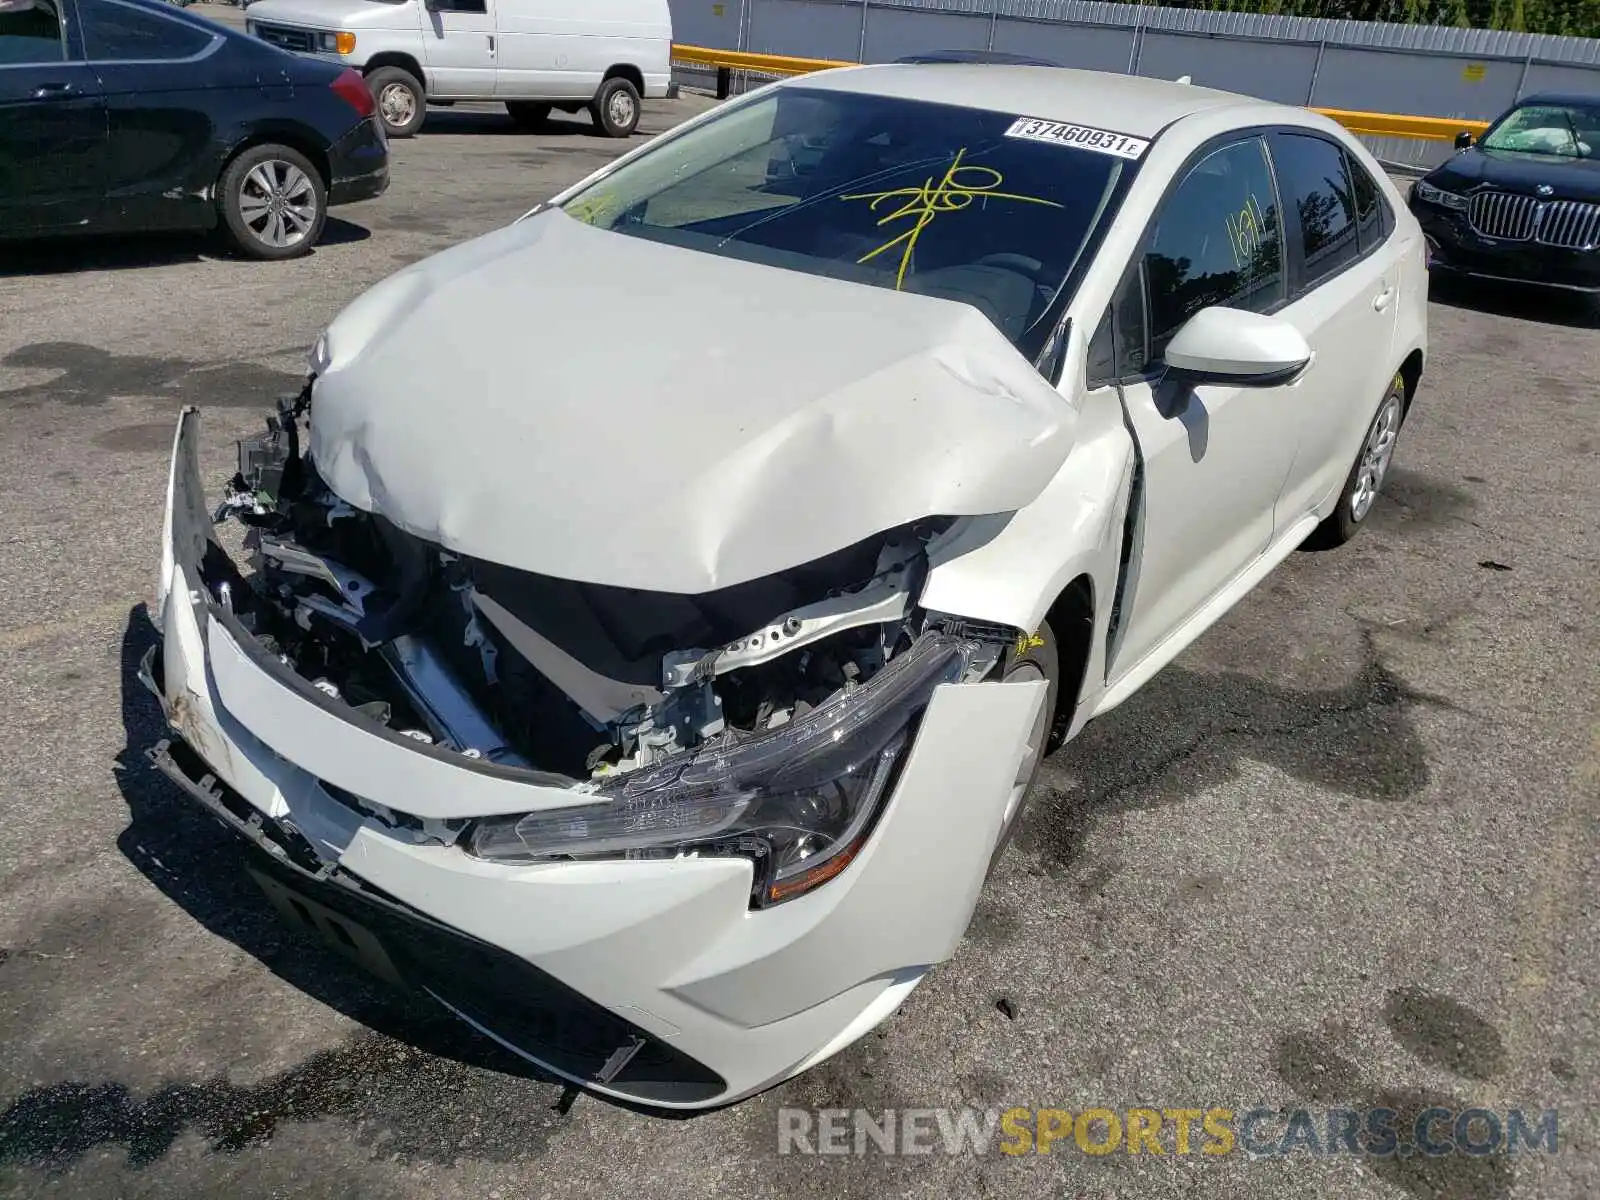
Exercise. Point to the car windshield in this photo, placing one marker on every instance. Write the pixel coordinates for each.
(1567, 130)
(954, 202)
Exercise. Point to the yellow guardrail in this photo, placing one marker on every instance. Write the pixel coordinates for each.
(1432, 129)
(1438, 129)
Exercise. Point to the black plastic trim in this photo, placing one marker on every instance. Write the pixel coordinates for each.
(528, 1010)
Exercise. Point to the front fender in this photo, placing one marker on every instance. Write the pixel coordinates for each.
(1010, 569)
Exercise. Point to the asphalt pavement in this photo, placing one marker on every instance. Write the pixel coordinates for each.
(1342, 853)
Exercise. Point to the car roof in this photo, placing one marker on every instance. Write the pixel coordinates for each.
(1129, 104)
(1576, 99)
(977, 56)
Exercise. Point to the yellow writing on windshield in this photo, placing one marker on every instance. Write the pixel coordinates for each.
(1247, 229)
(591, 210)
(958, 188)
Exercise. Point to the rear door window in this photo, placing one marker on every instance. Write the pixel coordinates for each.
(1320, 200)
(30, 35)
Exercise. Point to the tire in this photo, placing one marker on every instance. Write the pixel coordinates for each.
(401, 99)
(272, 202)
(527, 114)
(615, 108)
(1365, 481)
(1037, 657)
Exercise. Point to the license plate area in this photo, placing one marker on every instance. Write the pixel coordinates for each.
(350, 938)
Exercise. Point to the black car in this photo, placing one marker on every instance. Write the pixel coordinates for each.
(1523, 203)
(134, 115)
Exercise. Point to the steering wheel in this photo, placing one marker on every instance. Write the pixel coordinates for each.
(1020, 263)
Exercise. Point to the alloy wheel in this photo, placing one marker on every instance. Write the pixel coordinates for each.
(278, 203)
(1375, 456)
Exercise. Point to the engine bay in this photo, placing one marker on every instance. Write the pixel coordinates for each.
(580, 681)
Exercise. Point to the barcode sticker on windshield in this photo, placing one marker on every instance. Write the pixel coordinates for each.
(1081, 137)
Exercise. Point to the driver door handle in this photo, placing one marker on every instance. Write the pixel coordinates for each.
(52, 91)
(1383, 299)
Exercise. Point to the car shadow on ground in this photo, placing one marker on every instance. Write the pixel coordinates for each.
(68, 256)
(496, 120)
(1526, 302)
(199, 865)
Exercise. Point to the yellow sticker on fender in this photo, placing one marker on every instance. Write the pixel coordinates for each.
(1079, 137)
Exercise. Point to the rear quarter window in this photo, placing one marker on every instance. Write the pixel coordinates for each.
(115, 32)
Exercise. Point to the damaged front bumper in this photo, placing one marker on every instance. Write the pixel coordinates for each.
(651, 980)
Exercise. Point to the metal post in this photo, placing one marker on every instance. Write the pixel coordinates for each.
(742, 41)
(724, 83)
(861, 46)
(1137, 47)
(1316, 69)
(1522, 80)
(993, 17)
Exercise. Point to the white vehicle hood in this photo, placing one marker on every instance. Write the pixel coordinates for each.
(333, 14)
(578, 403)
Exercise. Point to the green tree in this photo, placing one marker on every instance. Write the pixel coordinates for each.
(1574, 18)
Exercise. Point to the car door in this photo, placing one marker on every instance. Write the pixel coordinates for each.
(1213, 458)
(163, 82)
(460, 44)
(52, 124)
(1344, 283)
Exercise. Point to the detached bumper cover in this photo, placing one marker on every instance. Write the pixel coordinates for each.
(651, 981)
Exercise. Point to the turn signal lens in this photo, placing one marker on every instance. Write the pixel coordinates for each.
(344, 43)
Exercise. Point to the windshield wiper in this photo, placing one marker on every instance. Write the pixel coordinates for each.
(1572, 129)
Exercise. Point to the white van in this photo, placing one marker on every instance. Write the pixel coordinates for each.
(534, 55)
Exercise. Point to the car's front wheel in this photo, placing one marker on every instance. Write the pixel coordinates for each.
(615, 108)
(1365, 481)
(273, 202)
(401, 99)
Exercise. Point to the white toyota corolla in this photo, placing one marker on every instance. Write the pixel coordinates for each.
(656, 610)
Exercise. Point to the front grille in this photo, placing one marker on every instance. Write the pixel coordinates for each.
(1566, 224)
(1570, 224)
(299, 40)
(1503, 215)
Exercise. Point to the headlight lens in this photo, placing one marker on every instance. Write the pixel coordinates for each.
(319, 356)
(799, 800)
(342, 42)
(1429, 194)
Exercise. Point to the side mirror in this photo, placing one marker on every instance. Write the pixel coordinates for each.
(1238, 348)
(1463, 140)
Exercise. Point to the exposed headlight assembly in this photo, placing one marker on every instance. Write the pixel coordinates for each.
(320, 356)
(799, 800)
(1429, 194)
(341, 42)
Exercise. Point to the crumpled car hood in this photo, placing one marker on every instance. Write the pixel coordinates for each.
(565, 400)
